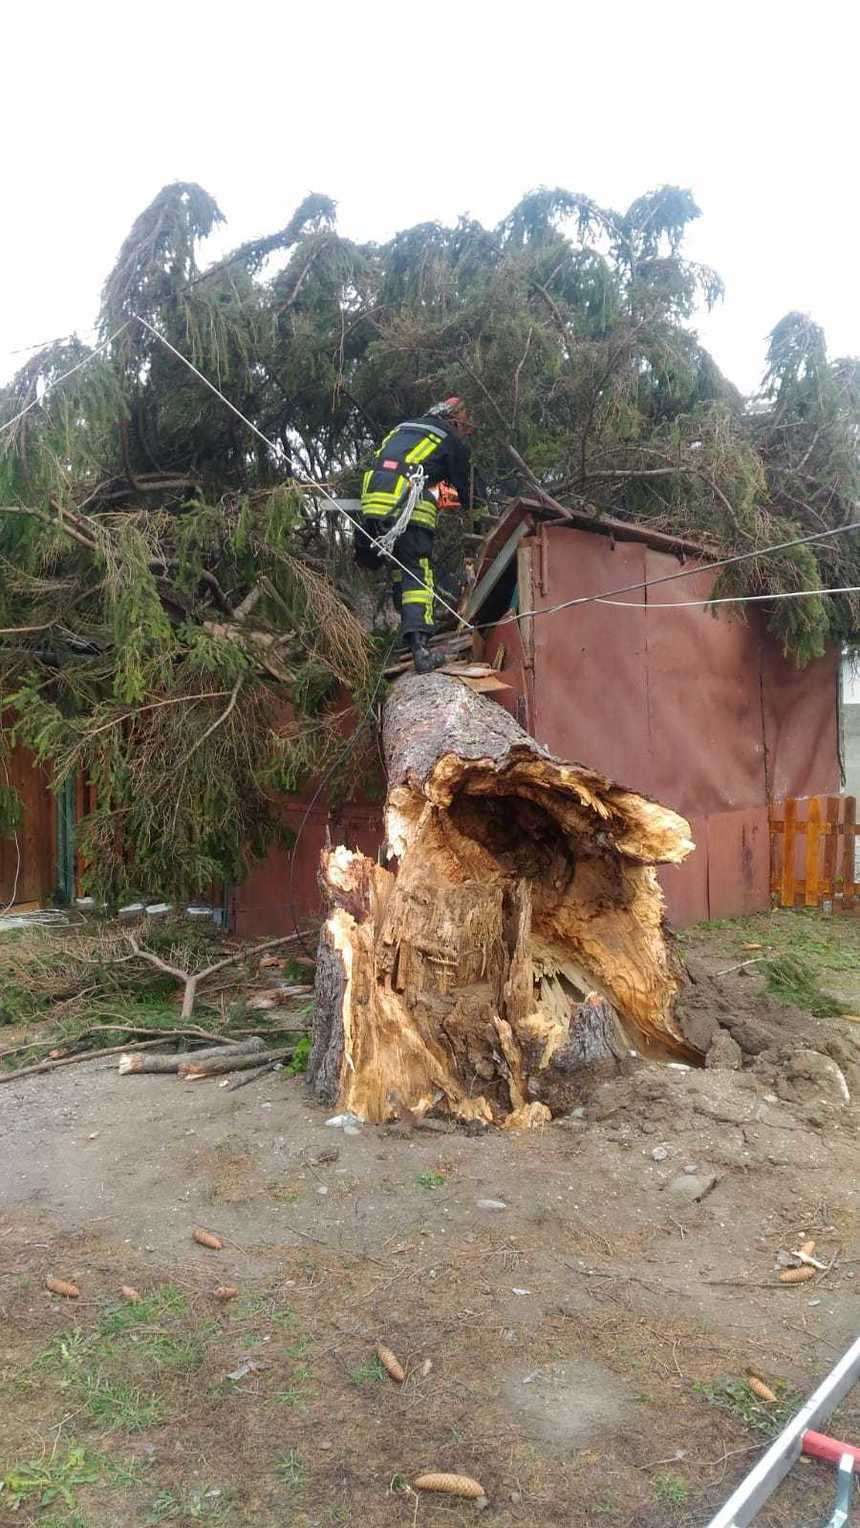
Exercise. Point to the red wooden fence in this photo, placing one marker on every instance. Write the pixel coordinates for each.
(813, 852)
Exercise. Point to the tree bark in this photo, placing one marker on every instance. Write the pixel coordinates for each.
(520, 939)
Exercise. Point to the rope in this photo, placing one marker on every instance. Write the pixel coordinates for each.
(417, 479)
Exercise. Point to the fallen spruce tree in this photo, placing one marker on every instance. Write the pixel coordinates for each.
(520, 938)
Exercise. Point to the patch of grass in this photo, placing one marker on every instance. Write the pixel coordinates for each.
(286, 1317)
(78, 1361)
(368, 1373)
(164, 1303)
(121, 1407)
(40, 1483)
(734, 1397)
(291, 1469)
(177, 1353)
(431, 1179)
(607, 1506)
(293, 1396)
(301, 1345)
(187, 1507)
(671, 1490)
(68, 1520)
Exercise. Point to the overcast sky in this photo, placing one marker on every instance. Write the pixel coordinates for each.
(409, 113)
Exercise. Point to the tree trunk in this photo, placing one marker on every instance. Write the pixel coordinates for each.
(520, 939)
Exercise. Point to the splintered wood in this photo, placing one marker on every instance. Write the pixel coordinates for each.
(520, 939)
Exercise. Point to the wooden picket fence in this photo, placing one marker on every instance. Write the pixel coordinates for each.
(813, 853)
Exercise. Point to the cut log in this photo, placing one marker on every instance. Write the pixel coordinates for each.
(190, 1068)
(134, 1061)
(520, 939)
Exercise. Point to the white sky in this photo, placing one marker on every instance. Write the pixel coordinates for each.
(753, 106)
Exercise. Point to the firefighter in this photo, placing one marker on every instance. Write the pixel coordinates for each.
(399, 508)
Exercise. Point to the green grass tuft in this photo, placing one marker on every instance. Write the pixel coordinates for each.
(430, 1179)
(291, 1468)
(734, 1397)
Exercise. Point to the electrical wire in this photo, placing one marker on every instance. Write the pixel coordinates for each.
(728, 599)
(49, 387)
(300, 478)
(666, 578)
(515, 616)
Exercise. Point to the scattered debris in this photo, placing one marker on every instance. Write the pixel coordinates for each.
(273, 997)
(350, 1124)
(426, 1367)
(207, 1239)
(453, 1485)
(244, 1367)
(660, 1153)
(391, 1363)
(809, 1262)
(192, 979)
(491, 1204)
(61, 1287)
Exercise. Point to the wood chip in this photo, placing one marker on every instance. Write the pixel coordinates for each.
(807, 1248)
(61, 1287)
(225, 1292)
(453, 1485)
(207, 1239)
(129, 1292)
(759, 1388)
(391, 1362)
(796, 1275)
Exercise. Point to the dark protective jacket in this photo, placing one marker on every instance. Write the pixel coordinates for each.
(427, 442)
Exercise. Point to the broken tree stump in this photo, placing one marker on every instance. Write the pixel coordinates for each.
(520, 939)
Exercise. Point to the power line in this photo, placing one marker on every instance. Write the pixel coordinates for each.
(300, 478)
(728, 599)
(49, 386)
(666, 578)
(587, 599)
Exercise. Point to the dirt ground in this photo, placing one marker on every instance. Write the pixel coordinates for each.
(576, 1307)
